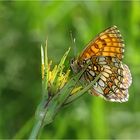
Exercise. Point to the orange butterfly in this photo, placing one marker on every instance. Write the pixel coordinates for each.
(104, 56)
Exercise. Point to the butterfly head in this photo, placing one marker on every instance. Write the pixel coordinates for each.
(74, 65)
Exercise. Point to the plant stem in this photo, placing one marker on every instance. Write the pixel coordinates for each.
(36, 129)
(39, 122)
(47, 113)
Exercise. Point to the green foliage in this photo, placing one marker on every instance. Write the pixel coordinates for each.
(24, 26)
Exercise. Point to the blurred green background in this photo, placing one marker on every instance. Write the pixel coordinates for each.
(24, 26)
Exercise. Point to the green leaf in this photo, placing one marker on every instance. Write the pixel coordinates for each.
(61, 65)
(81, 92)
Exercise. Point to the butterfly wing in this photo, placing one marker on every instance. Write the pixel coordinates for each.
(114, 80)
(103, 56)
(107, 43)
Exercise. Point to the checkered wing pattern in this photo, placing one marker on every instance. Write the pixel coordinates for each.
(104, 56)
(107, 43)
(114, 80)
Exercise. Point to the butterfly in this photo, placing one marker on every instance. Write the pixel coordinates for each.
(103, 55)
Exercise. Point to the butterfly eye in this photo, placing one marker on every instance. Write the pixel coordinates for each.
(71, 61)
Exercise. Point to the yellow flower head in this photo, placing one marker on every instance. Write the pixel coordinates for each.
(53, 78)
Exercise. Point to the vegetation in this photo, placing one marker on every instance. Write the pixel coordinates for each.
(24, 26)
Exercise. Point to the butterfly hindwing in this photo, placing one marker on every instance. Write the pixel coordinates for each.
(114, 80)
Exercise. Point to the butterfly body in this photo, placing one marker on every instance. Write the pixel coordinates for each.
(103, 55)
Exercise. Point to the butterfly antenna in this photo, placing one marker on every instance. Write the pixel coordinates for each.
(73, 44)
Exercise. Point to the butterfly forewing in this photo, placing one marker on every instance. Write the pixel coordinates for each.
(107, 43)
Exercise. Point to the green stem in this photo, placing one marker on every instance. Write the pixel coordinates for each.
(39, 121)
(36, 129)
